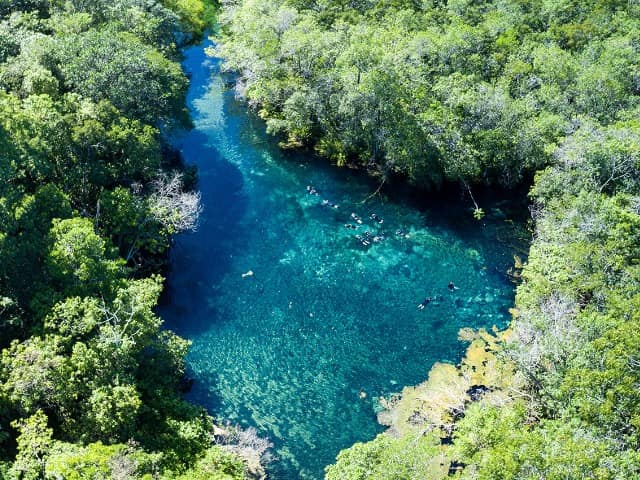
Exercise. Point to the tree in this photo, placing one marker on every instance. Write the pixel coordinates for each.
(409, 457)
(35, 375)
(34, 442)
(79, 261)
(136, 79)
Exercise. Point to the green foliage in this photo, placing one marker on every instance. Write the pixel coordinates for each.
(195, 15)
(99, 462)
(498, 444)
(431, 90)
(79, 261)
(406, 458)
(140, 82)
(215, 465)
(34, 443)
(34, 375)
(90, 382)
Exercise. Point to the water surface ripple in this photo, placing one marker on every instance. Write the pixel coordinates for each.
(324, 317)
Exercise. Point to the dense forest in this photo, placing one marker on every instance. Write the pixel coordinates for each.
(458, 90)
(497, 92)
(91, 385)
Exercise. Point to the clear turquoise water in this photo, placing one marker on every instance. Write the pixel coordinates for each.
(289, 349)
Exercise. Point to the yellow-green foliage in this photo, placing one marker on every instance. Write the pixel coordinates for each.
(435, 404)
(196, 15)
(409, 457)
(216, 464)
(99, 462)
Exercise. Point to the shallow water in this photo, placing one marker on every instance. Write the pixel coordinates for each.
(323, 318)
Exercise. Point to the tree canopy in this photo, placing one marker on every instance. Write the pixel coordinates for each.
(478, 92)
(91, 384)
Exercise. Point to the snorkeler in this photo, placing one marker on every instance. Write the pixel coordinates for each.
(363, 241)
(376, 218)
(452, 287)
(424, 303)
(356, 218)
(327, 203)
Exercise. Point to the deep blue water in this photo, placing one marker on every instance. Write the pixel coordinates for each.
(323, 318)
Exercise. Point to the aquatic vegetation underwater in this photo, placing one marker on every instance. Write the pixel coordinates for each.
(302, 301)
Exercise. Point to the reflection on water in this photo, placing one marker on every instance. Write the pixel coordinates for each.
(290, 313)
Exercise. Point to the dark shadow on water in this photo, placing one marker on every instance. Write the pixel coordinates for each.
(219, 230)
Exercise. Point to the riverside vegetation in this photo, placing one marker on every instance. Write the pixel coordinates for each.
(485, 92)
(91, 386)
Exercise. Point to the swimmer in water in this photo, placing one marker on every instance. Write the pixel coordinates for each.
(424, 303)
(363, 240)
(356, 218)
(452, 287)
(376, 218)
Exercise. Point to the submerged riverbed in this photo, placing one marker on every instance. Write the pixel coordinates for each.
(293, 318)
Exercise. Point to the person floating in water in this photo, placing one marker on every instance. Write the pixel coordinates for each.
(312, 190)
(376, 218)
(424, 303)
(452, 287)
(356, 218)
(327, 203)
(363, 241)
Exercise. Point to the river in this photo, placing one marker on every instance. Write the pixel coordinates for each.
(293, 319)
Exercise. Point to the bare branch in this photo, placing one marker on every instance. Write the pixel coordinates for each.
(174, 208)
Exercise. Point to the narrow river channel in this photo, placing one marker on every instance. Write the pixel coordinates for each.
(293, 319)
